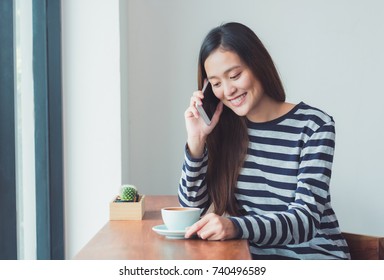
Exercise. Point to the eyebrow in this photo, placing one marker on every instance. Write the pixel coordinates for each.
(226, 71)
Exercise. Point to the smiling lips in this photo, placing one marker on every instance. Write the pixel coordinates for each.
(237, 101)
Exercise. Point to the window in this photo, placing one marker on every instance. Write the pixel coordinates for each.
(31, 171)
(8, 243)
(25, 140)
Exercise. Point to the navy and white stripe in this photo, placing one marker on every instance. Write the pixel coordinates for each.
(283, 188)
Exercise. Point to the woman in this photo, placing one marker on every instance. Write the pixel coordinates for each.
(261, 170)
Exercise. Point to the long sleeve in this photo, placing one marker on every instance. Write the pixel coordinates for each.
(300, 220)
(192, 191)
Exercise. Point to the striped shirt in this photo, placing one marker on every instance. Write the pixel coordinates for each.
(282, 188)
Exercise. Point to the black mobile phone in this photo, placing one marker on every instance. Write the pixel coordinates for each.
(210, 102)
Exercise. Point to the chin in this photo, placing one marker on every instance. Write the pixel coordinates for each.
(240, 112)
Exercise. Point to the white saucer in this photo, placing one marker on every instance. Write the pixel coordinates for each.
(171, 234)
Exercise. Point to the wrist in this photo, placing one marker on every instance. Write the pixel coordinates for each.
(196, 147)
(236, 229)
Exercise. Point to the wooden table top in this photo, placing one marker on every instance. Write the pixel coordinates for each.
(136, 240)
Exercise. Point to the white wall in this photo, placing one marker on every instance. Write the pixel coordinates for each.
(91, 100)
(329, 54)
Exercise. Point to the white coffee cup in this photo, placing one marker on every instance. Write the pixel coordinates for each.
(179, 218)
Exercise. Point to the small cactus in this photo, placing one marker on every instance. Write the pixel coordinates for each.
(128, 193)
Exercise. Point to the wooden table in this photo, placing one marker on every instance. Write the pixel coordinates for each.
(137, 240)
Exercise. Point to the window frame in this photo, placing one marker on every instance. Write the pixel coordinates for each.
(8, 224)
(48, 128)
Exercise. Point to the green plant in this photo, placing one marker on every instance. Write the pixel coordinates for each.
(128, 193)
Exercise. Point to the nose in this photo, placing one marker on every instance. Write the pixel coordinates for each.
(229, 89)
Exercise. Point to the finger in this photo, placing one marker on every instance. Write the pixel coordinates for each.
(196, 98)
(209, 232)
(192, 230)
(199, 94)
(191, 112)
(205, 235)
(195, 228)
(214, 229)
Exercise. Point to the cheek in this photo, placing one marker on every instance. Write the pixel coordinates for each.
(246, 81)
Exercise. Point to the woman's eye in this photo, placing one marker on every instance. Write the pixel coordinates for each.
(234, 77)
(216, 85)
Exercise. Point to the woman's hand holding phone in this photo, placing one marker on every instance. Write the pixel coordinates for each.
(197, 129)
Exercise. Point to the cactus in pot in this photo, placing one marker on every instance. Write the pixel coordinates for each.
(128, 193)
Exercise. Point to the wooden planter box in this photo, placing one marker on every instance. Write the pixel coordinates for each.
(127, 210)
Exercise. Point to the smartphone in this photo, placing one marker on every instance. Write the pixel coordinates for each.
(210, 102)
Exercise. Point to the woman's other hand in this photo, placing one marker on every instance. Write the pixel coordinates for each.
(213, 227)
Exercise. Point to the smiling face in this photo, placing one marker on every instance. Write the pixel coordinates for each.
(234, 83)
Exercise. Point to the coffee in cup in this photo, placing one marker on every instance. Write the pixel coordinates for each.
(179, 218)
